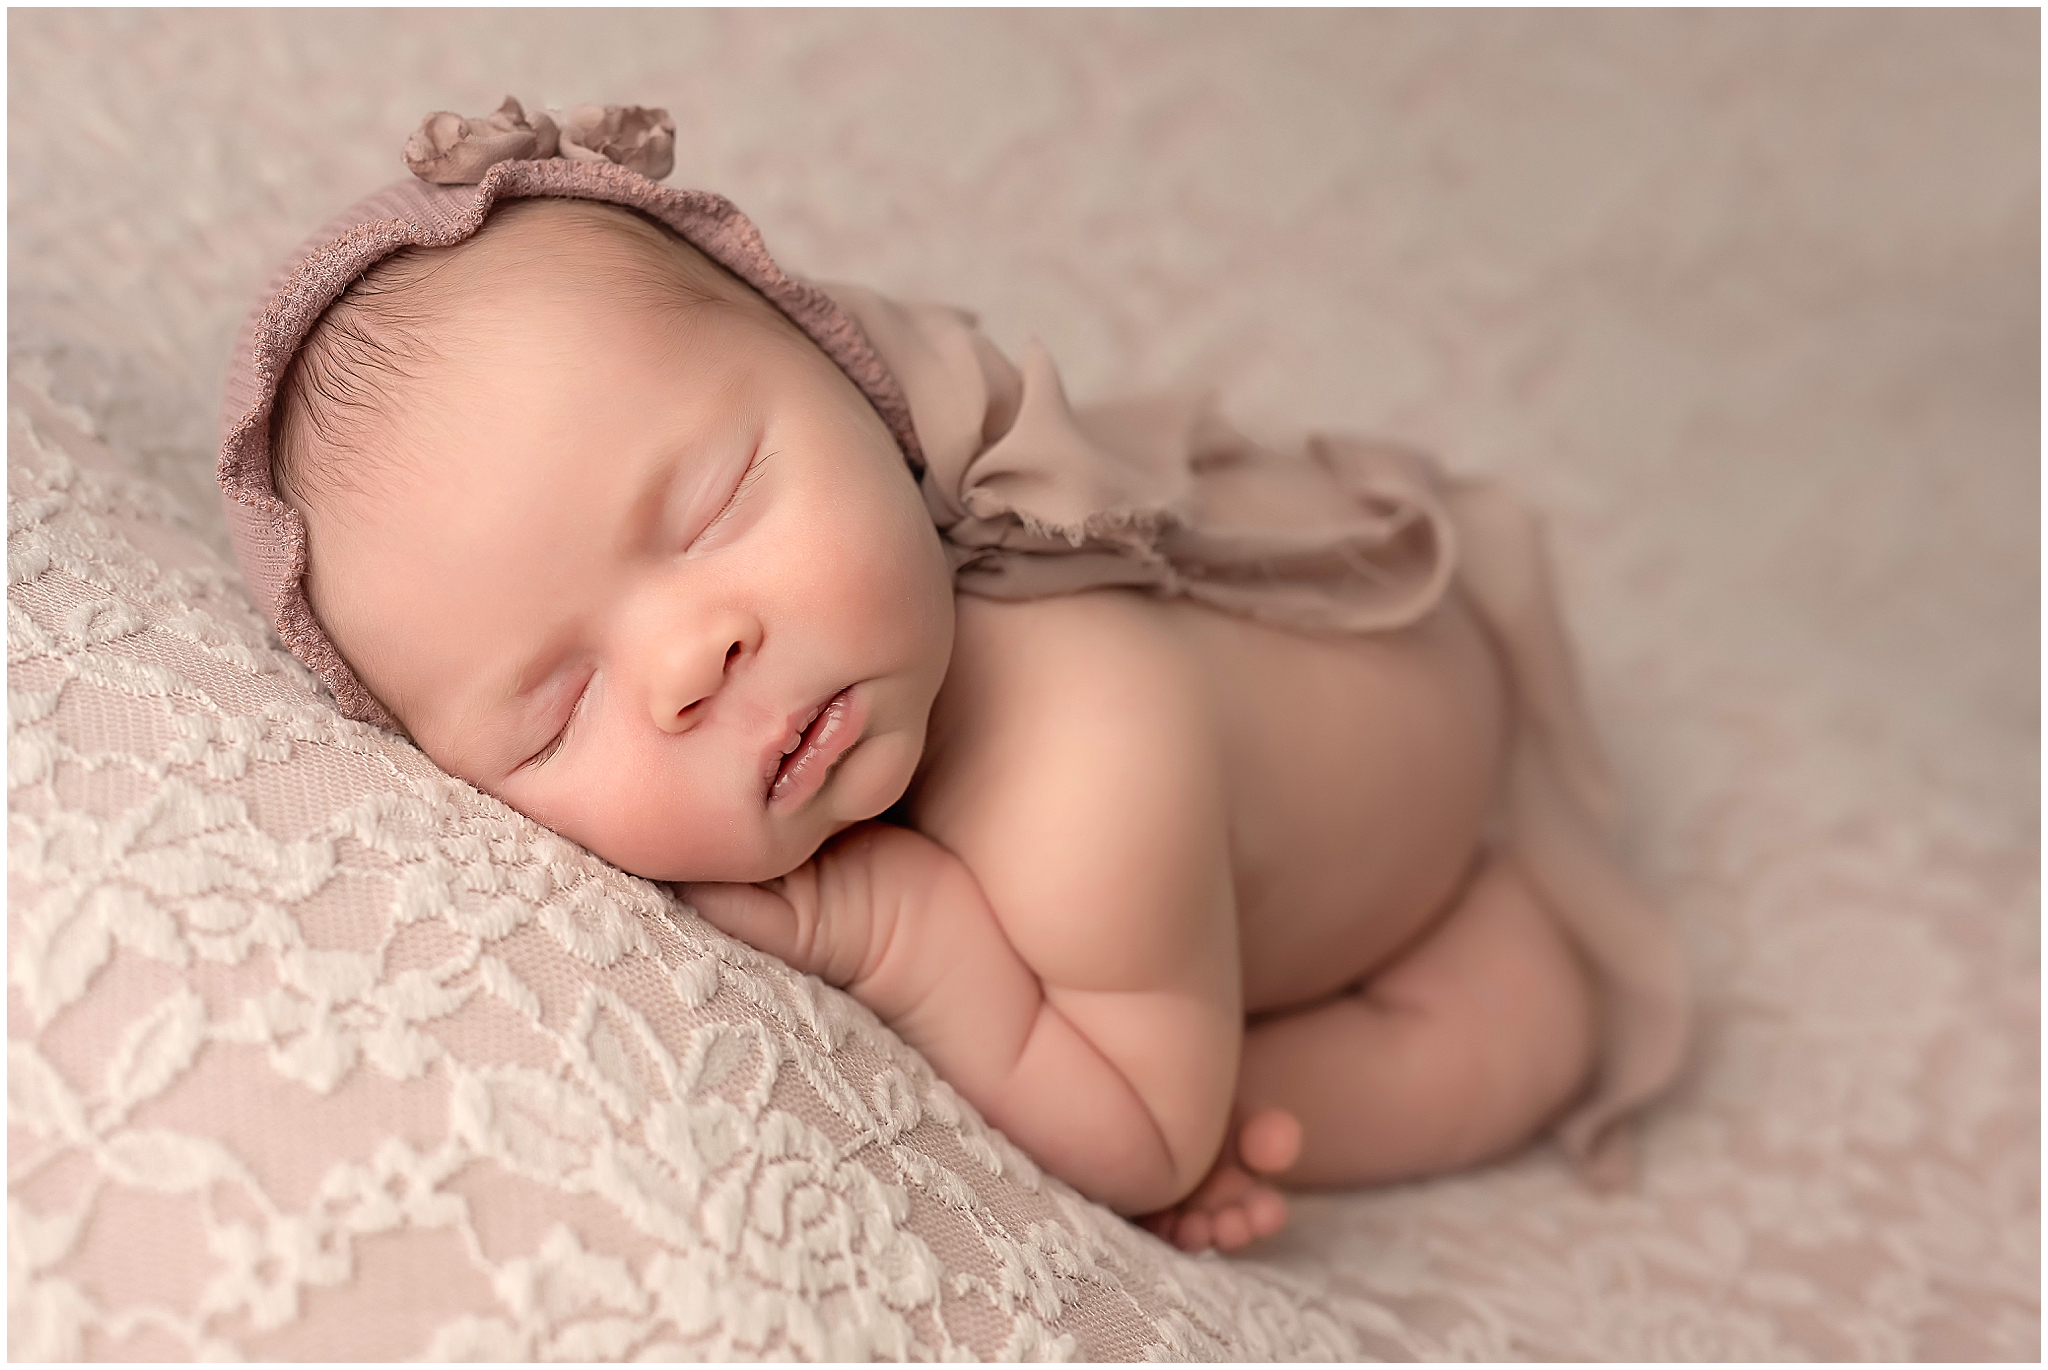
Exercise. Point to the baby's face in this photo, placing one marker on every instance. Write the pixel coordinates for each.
(626, 560)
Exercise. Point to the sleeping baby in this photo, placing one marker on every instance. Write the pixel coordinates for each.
(1216, 820)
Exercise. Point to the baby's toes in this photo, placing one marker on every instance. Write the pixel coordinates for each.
(1161, 1224)
(1231, 1229)
(1224, 1187)
(1270, 1141)
(1193, 1234)
(1266, 1210)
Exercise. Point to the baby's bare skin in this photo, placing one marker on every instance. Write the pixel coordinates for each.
(1355, 777)
(1192, 907)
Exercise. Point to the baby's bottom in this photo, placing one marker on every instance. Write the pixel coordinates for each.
(1455, 1054)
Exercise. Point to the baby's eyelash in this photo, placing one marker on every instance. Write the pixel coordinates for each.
(545, 754)
(753, 473)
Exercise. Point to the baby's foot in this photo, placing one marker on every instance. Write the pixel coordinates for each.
(1233, 1206)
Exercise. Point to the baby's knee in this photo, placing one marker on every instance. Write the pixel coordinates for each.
(1545, 1033)
(1513, 1012)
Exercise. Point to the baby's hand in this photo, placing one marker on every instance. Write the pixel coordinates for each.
(898, 922)
(903, 925)
(823, 918)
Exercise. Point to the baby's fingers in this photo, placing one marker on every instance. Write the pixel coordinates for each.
(805, 918)
(832, 916)
(759, 917)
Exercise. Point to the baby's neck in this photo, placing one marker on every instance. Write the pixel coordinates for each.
(942, 727)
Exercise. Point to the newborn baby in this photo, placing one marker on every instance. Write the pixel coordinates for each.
(1192, 906)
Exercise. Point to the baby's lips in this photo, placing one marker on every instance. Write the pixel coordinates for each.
(448, 149)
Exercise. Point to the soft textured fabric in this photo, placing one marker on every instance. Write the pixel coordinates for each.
(1747, 301)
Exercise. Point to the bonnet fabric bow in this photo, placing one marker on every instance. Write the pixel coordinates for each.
(448, 149)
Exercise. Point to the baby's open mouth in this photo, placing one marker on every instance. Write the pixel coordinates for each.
(824, 737)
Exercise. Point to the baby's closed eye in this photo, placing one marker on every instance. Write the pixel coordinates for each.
(748, 478)
(554, 745)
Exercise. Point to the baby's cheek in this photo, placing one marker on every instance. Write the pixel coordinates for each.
(635, 817)
(679, 837)
(895, 585)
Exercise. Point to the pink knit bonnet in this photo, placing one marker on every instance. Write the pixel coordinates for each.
(462, 169)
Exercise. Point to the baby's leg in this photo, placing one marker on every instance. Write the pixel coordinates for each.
(1455, 1054)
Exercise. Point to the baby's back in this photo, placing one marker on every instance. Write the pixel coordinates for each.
(1349, 777)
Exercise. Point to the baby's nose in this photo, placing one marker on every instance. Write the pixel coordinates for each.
(692, 671)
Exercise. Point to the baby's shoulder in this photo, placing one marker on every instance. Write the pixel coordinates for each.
(1100, 672)
(1076, 768)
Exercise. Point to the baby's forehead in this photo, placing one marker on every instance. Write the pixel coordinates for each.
(588, 248)
(548, 291)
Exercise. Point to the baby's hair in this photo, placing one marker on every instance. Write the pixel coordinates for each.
(378, 339)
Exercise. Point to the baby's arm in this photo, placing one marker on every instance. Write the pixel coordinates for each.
(902, 925)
